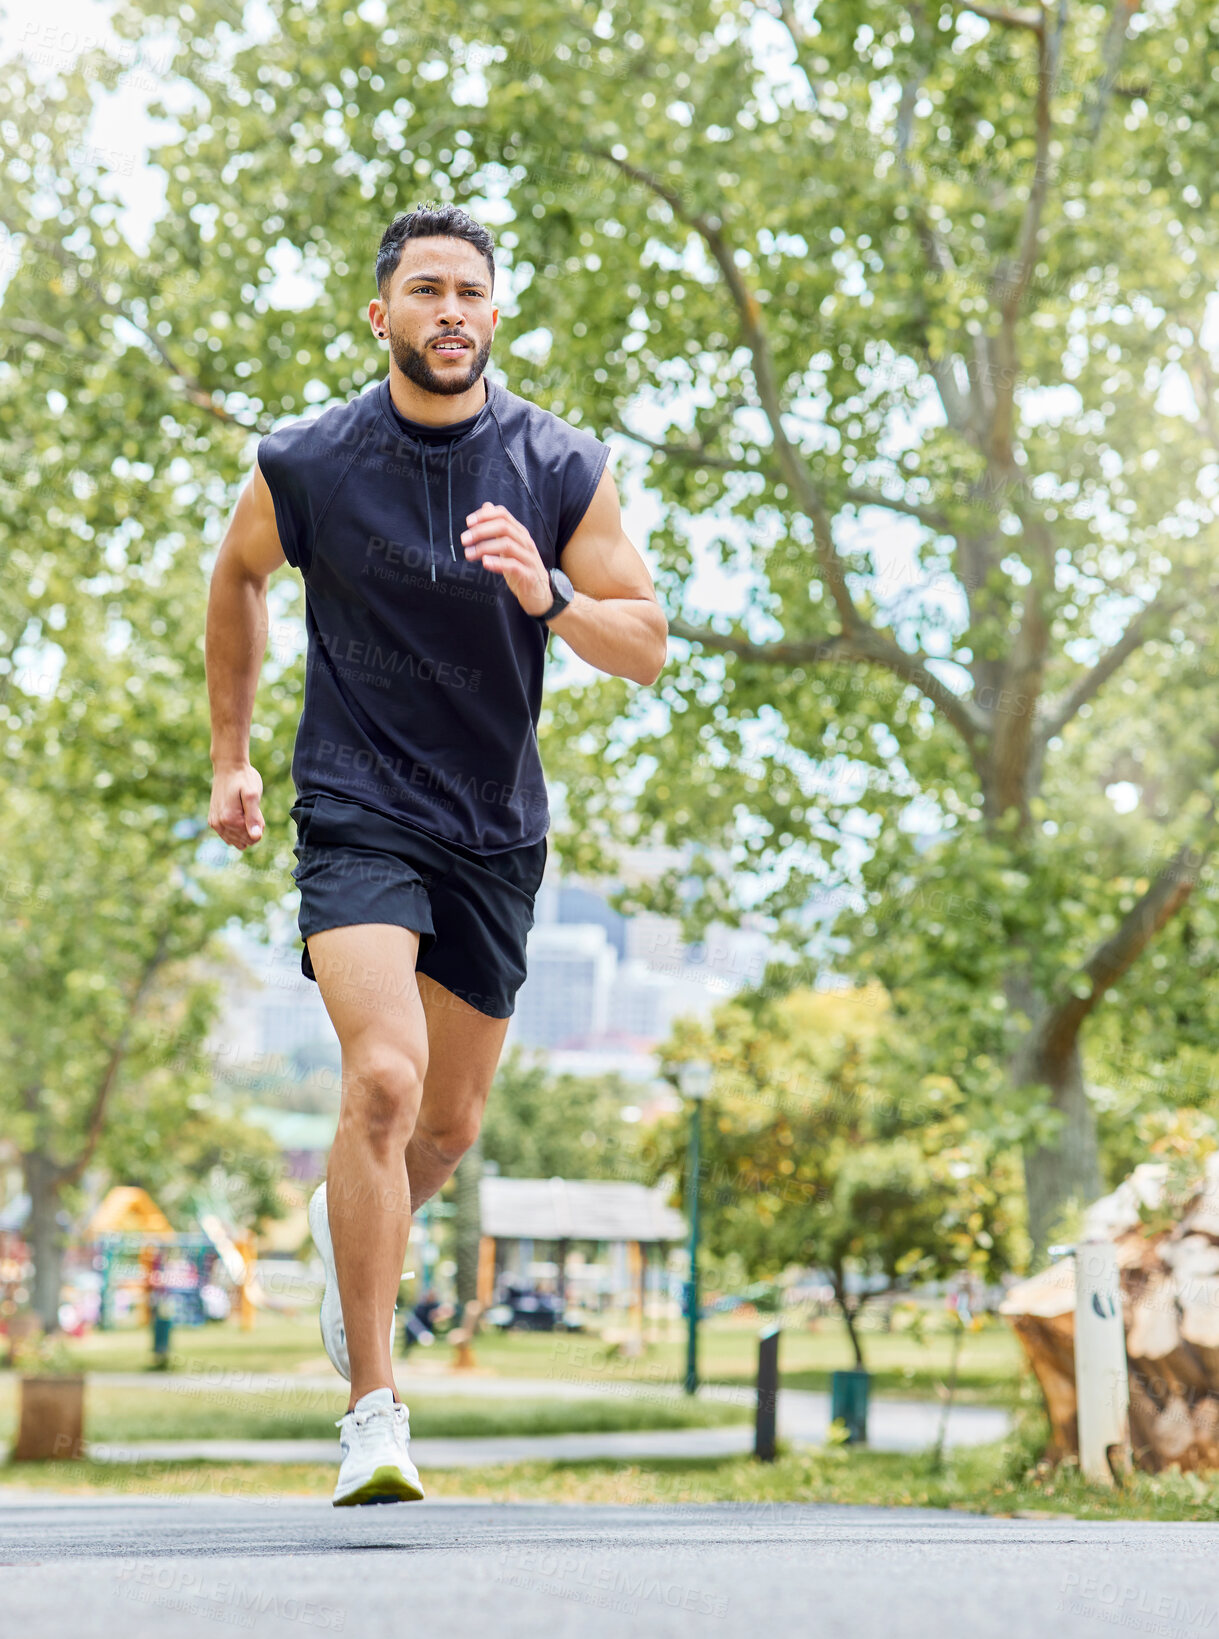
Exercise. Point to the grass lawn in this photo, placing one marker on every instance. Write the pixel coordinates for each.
(191, 1411)
(990, 1364)
(1004, 1479)
(989, 1369)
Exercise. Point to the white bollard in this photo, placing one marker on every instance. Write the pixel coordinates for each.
(1102, 1389)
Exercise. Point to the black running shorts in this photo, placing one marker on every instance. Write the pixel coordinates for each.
(473, 912)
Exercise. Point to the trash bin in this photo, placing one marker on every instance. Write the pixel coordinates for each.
(849, 1403)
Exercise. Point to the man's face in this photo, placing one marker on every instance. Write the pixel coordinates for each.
(440, 291)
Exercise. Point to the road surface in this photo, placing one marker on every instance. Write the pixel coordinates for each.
(110, 1568)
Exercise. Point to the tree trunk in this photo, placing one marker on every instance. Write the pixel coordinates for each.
(467, 1223)
(46, 1242)
(1068, 1170)
(848, 1315)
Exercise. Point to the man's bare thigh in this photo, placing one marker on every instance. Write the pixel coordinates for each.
(367, 978)
(464, 1048)
(366, 975)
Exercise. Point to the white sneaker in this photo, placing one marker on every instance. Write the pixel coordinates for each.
(376, 1465)
(334, 1334)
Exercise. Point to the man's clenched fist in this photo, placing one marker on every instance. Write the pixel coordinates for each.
(235, 814)
(502, 544)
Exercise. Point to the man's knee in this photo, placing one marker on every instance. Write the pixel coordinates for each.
(382, 1088)
(449, 1137)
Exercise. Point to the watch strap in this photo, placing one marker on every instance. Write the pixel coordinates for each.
(560, 603)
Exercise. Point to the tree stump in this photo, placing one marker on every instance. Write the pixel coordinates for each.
(52, 1420)
(1170, 1307)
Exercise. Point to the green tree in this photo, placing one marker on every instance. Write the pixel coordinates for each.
(808, 1159)
(117, 476)
(903, 311)
(170, 1136)
(103, 1015)
(917, 299)
(539, 1125)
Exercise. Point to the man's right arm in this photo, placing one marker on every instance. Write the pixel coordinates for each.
(235, 642)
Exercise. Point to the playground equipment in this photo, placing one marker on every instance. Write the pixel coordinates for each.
(239, 1258)
(133, 1264)
(150, 1272)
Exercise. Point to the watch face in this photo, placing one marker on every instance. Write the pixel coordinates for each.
(561, 586)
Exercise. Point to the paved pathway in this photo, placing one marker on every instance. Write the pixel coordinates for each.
(143, 1569)
(803, 1417)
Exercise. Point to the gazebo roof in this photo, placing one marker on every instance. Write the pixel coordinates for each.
(556, 1209)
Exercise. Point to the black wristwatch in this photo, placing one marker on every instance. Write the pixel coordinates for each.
(563, 591)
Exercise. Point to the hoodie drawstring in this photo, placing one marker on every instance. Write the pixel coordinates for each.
(431, 551)
(431, 545)
(449, 486)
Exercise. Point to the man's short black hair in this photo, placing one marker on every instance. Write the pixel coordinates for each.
(429, 222)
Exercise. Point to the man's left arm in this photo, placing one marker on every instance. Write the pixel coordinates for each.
(615, 621)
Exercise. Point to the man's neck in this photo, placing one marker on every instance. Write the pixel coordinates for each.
(435, 409)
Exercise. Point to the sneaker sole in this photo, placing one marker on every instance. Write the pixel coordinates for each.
(331, 1316)
(385, 1484)
(330, 1319)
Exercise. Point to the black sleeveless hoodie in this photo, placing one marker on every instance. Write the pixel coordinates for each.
(423, 677)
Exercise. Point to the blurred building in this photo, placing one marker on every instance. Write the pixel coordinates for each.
(566, 998)
(599, 980)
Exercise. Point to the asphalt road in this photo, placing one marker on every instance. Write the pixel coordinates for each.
(110, 1567)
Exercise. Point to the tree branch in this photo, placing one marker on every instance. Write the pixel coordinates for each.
(866, 644)
(69, 1171)
(961, 409)
(693, 455)
(960, 406)
(193, 388)
(1153, 910)
(865, 495)
(1013, 752)
(1033, 20)
(1202, 379)
(1060, 712)
(749, 316)
(801, 43)
(56, 338)
(1011, 284)
(697, 455)
(1111, 56)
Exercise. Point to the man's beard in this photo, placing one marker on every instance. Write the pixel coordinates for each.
(416, 366)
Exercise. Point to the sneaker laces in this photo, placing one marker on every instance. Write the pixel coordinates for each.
(361, 1419)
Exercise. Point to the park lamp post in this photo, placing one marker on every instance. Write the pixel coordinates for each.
(694, 1079)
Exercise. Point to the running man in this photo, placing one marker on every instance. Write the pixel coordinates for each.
(428, 517)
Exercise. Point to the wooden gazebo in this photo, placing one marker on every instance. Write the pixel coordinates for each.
(562, 1211)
